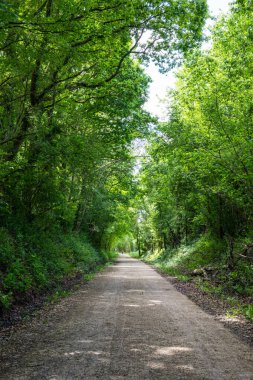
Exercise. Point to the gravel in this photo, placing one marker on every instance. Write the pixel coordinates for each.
(128, 323)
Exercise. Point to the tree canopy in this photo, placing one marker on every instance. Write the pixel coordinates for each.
(71, 95)
(197, 175)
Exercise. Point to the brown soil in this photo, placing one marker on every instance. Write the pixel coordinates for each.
(128, 323)
(31, 303)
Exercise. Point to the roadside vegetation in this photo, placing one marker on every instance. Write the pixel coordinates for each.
(195, 213)
(71, 94)
(40, 264)
(200, 265)
(71, 109)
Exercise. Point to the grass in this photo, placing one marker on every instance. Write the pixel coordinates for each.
(235, 286)
(38, 262)
(89, 276)
(57, 295)
(134, 255)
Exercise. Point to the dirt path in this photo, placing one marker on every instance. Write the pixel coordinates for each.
(128, 323)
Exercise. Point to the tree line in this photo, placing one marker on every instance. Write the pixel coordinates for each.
(197, 175)
(71, 95)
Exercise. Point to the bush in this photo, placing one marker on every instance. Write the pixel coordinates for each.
(7, 249)
(207, 252)
(34, 261)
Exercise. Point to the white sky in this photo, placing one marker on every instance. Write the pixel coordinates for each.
(161, 82)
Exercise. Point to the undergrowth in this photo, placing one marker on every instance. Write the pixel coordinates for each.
(32, 263)
(234, 285)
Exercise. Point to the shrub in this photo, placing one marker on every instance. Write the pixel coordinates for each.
(33, 261)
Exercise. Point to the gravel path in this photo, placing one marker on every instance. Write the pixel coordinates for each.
(128, 323)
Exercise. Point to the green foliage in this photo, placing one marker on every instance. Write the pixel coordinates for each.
(18, 278)
(110, 256)
(71, 96)
(246, 310)
(88, 277)
(231, 286)
(135, 255)
(249, 311)
(45, 262)
(57, 295)
(186, 258)
(203, 253)
(196, 180)
(5, 300)
(240, 279)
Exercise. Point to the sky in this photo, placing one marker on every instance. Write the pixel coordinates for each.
(161, 82)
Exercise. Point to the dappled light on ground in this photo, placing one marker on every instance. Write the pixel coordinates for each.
(127, 325)
(171, 350)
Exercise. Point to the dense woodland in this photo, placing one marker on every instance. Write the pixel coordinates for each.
(196, 179)
(72, 91)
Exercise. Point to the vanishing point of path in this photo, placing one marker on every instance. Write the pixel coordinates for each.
(128, 323)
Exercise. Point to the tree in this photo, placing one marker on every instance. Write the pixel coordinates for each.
(71, 96)
(62, 66)
(200, 174)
